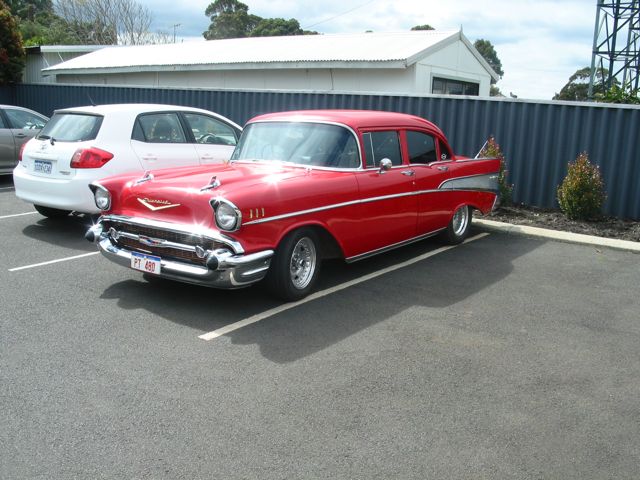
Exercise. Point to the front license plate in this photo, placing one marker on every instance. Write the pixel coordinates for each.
(145, 263)
(42, 166)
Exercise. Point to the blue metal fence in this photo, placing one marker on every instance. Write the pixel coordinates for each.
(537, 138)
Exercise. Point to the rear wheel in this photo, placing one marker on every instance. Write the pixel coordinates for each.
(458, 229)
(51, 212)
(295, 265)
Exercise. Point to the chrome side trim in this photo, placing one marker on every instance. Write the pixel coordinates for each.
(485, 182)
(195, 230)
(451, 188)
(362, 256)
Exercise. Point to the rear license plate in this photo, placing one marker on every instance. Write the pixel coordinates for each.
(145, 263)
(42, 166)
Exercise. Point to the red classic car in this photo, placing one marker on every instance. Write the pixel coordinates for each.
(300, 187)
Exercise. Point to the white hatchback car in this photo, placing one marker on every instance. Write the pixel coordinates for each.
(81, 145)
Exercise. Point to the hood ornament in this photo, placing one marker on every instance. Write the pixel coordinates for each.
(145, 178)
(213, 183)
(155, 205)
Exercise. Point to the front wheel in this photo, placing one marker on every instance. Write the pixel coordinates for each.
(52, 212)
(295, 265)
(459, 226)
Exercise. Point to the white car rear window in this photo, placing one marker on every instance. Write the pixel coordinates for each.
(71, 127)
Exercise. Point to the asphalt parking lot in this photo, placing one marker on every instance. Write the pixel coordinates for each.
(505, 357)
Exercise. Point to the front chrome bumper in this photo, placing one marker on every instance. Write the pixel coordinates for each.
(223, 270)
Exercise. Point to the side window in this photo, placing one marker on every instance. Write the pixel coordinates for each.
(445, 153)
(210, 130)
(159, 128)
(2, 125)
(24, 120)
(379, 145)
(422, 147)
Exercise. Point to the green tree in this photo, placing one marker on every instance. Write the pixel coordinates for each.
(229, 19)
(485, 48)
(12, 57)
(274, 27)
(423, 27)
(577, 88)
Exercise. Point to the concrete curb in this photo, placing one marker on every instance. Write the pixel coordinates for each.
(560, 236)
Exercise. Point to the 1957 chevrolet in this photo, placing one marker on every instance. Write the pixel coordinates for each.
(300, 187)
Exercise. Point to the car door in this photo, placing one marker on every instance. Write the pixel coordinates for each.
(214, 139)
(430, 171)
(7, 146)
(159, 141)
(388, 208)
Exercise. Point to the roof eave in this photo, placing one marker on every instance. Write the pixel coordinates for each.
(382, 64)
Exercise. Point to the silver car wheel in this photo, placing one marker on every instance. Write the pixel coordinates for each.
(460, 220)
(303, 263)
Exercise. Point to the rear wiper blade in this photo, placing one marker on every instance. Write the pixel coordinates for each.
(47, 137)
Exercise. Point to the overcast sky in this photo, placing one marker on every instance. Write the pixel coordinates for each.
(541, 43)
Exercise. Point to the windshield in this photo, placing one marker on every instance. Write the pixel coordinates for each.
(313, 144)
(71, 127)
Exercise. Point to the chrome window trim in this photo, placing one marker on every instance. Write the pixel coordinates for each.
(194, 230)
(321, 122)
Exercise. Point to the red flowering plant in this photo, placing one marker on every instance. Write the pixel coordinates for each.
(581, 194)
(491, 149)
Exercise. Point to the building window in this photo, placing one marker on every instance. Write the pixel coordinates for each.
(454, 87)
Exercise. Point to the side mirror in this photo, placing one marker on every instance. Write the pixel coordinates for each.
(385, 165)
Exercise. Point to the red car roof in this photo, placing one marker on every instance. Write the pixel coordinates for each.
(356, 119)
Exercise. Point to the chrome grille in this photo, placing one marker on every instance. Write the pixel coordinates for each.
(183, 239)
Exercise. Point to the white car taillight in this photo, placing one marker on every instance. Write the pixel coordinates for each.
(90, 158)
(21, 151)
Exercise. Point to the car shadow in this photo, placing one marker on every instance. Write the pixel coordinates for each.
(67, 232)
(437, 282)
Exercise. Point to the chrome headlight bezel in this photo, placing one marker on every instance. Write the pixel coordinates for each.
(101, 197)
(227, 216)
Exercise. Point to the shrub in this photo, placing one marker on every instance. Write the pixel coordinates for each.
(491, 149)
(581, 194)
(12, 59)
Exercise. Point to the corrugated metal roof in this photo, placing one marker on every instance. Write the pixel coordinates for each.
(401, 47)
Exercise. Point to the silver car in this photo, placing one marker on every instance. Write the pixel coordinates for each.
(17, 126)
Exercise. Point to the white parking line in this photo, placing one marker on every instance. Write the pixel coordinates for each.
(53, 261)
(16, 215)
(323, 293)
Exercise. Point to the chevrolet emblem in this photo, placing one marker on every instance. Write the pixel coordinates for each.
(155, 205)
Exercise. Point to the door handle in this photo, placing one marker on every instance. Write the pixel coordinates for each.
(20, 135)
(442, 169)
(408, 173)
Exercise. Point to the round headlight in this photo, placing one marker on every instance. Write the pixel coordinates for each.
(102, 198)
(227, 217)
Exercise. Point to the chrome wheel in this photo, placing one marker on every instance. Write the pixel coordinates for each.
(303, 263)
(460, 221)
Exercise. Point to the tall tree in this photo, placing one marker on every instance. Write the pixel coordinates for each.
(106, 22)
(12, 58)
(229, 19)
(485, 48)
(577, 88)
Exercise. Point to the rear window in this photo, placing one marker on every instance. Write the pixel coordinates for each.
(71, 127)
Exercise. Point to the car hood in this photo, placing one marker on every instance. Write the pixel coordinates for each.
(178, 194)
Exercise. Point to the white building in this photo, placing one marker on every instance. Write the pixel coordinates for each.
(415, 62)
(41, 57)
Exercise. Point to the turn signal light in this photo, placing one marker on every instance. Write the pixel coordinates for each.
(90, 158)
